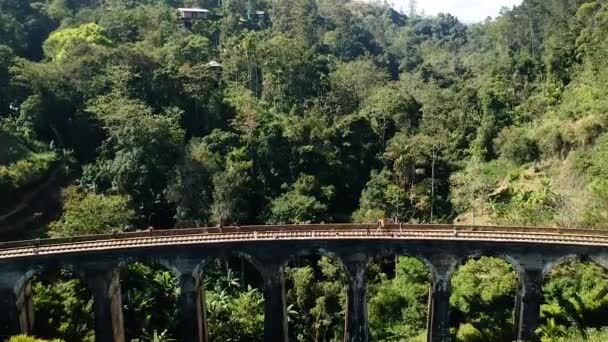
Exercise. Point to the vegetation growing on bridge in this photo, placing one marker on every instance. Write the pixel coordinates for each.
(332, 111)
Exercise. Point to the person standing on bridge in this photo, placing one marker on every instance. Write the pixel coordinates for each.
(381, 222)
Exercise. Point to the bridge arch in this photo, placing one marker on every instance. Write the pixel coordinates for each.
(24, 291)
(245, 257)
(463, 259)
(149, 296)
(598, 259)
(575, 268)
(559, 261)
(175, 264)
(292, 256)
(388, 271)
(242, 271)
(30, 271)
(297, 266)
(507, 299)
(601, 260)
(405, 252)
(27, 276)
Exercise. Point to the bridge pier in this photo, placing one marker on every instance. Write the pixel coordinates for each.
(517, 312)
(9, 315)
(438, 319)
(529, 297)
(25, 309)
(356, 326)
(275, 303)
(192, 313)
(16, 305)
(105, 286)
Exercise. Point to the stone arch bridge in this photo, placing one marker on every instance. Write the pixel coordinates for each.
(533, 252)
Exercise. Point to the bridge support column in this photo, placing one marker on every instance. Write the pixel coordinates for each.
(192, 312)
(105, 285)
(529, 306)
(438, 319)
(275, 304)
(16, 305)
(9, 315)
(25, 308)
(517, 312)
(356, 327)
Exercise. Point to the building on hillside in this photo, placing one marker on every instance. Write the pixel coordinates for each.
(193, 13)
(260, 14)
(214, 65)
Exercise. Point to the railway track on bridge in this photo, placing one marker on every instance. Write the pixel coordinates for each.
(211, 236)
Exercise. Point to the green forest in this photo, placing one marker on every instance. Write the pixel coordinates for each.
(117, 115)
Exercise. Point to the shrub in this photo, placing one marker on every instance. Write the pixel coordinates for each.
(514, 144)
(63, 307)
(594, 162)
(294, 208)
(150, 294)
(368, 215)
(26, 171)
(575, 335)
(302, 204)
(576, 295)
(91, 213)
(595, 214)
(588, 129)
(398, 306)
(482, 297)
(554, 139)
(236, 317)
(529, 206)
(468, 333)
(24, 338)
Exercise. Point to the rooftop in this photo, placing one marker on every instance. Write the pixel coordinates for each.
(214, 64)
(193, 10)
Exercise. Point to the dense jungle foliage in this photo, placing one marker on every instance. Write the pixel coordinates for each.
(115, 116)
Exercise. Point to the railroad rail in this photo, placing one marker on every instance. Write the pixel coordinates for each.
(214, 235)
